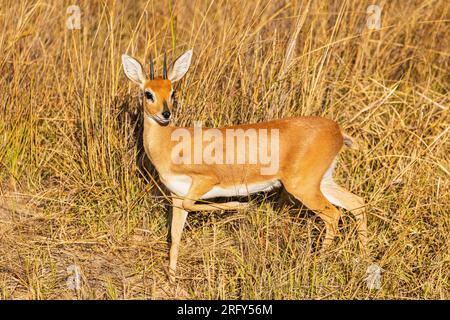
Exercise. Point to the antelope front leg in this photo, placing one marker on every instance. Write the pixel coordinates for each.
(179, 214)
(198, 188)
(234, 205)
(178, 219)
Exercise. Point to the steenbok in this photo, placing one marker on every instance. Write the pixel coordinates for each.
(199, 163)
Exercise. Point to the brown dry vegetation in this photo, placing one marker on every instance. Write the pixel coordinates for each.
(73, 190)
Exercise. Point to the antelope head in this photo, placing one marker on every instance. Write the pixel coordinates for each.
(158, 92)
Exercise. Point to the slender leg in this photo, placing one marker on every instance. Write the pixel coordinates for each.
(178, 219)
(198, 188)
(351, 202)
(179, 213)
(316, 201)
(234, 205)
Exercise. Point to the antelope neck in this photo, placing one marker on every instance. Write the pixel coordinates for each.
(155, 135)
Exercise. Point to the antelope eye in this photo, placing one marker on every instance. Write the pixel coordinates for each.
(149, 96)
(172, 96)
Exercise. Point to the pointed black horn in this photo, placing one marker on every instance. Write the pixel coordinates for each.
(165, 67)
(152, 71)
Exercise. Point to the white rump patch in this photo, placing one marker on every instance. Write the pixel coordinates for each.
(328, 183)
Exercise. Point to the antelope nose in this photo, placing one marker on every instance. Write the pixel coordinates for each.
(166, 114)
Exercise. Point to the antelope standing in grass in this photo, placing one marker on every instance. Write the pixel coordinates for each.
(303, 150)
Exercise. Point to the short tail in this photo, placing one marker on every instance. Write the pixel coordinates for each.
(350, 142)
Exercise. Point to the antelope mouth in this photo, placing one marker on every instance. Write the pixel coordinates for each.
(159, 120)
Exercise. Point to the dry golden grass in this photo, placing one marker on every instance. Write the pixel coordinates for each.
(74, 190)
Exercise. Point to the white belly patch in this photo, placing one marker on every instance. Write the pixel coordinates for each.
(180, 185)
(241, 189)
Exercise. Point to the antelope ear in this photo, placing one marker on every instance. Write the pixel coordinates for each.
(181, 66)
(133, 69)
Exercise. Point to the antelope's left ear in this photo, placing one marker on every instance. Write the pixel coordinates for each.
(133, 69)
(180, 66)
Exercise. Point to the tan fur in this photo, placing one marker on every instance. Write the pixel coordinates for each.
(162, 89)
